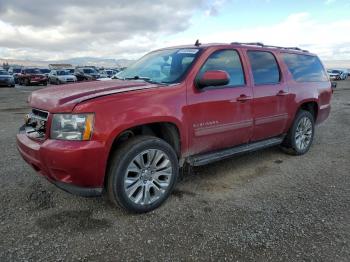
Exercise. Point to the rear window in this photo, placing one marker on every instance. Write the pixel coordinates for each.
(305, 68)
(264, 67)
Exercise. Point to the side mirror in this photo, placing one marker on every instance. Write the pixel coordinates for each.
(334, 84)
(213, 78)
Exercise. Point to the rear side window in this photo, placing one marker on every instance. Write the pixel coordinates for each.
(264, 67)
(305, 68)
(226, 60)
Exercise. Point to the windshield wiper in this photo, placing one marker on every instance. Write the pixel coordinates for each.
(146, 79)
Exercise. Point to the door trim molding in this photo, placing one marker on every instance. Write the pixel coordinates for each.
(210, 130)
(270, 119)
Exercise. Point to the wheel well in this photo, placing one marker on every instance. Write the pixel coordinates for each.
(163, 130)
(166, 131)
(311, 107)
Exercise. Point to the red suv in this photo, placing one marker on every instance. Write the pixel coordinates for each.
(32, 76)
(175, 106)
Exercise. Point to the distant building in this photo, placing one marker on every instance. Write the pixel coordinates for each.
(59, 66)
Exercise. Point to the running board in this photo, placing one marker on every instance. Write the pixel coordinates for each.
(207, 158)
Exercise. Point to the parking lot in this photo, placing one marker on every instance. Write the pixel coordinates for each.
(264, 206)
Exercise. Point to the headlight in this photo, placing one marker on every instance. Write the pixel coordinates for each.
(72, 126)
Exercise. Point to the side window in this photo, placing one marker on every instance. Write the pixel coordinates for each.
(305, 68)
(264, 67)
(226, 60)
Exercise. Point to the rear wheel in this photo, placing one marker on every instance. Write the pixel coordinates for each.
(26, 82)
(142, 174)
(301, 134)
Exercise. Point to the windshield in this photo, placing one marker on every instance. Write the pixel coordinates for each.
(3, 73)
(335, 71)
(44, 71)
(164, 66)
(89, 71)
(16, 70)
(32, 71)
(62, 73)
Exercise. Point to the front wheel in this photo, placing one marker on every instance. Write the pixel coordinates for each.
(300, 136)
(142, 174)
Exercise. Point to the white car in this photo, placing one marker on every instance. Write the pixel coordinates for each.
(61, 77)
(337, 74)
(344, 74)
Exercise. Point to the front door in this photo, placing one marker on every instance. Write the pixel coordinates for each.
(220, 117)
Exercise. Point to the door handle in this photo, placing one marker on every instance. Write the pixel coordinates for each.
(243, 98)
(282, 93)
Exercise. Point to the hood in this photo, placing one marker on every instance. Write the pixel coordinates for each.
(63, 98)
(36, 75)
(5, 76)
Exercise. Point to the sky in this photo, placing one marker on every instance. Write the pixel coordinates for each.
(54, 30)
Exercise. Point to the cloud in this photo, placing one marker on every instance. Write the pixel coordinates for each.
(62, 29)
(329, 40)
(214, 7)
(81, 27)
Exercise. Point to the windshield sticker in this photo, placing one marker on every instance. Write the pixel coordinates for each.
(188, 51)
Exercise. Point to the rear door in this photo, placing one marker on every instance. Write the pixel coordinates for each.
(220, 117)
(270, 95)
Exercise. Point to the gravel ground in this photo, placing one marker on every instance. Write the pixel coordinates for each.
(264, 206)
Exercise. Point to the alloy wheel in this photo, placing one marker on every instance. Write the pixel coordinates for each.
(148, 176)
(303, 134)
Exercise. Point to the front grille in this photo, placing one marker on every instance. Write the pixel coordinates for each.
(35, 124)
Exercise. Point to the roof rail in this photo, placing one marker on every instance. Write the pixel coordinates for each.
(252, 43)
(270, 46)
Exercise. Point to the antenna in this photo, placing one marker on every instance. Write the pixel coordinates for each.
(197, 43)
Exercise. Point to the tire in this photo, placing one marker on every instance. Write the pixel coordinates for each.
(142, 185)
(26, 82)
(304, 128)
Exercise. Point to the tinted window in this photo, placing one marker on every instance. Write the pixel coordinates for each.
(305, 68)
(264, 67)
(226, 60)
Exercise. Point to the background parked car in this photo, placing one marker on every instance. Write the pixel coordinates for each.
(103, 74)
(333, 74)
(6, 79)
(61, 77)
(70, 70)
(45, 71)
(110, 72)
(32, 76)
(86, 73)
(344, 74)
(15, 71)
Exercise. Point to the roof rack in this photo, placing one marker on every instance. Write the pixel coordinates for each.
(270, 46)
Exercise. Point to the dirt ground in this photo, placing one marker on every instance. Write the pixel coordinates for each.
(263, 206)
